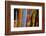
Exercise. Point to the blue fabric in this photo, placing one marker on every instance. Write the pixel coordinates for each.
(24, 13)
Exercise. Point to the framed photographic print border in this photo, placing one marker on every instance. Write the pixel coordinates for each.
(8, 17)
